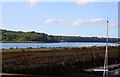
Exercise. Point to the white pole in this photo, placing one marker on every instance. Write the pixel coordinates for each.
(105, 73)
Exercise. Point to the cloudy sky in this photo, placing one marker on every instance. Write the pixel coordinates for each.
(79, 17)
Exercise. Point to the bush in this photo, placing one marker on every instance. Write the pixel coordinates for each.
(11, 48)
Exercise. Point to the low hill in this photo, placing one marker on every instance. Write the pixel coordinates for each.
(19, 36)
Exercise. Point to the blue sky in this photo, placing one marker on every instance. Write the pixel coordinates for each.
(61, 18)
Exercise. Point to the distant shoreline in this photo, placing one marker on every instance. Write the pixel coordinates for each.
(21, 42)
(52, 42)
(35, 37)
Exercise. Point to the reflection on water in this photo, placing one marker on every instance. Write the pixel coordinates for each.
(48, 45)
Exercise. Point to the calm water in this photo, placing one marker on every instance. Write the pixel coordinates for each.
(48, 45)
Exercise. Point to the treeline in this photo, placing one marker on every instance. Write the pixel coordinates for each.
(19, 36)
(84, 39)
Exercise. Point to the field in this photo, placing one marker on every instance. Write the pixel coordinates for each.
(56, 61)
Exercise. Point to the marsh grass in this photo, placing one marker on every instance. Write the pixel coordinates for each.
(55, 61)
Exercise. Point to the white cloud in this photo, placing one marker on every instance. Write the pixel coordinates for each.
(52, 21)
(80, 22)
(96, 20)
(77, 22)
(31, 3)
(84, 2)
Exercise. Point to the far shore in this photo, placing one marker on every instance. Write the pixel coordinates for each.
(22, 42)
(52, 42)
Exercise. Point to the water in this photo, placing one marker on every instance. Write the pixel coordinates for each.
(48, 45)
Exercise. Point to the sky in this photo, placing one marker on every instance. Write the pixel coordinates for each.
(73, 18)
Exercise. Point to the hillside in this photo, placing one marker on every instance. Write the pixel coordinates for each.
(19, 36)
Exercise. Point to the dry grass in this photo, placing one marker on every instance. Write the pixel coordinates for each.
(55, 60)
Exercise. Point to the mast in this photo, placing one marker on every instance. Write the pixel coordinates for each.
(105, 73)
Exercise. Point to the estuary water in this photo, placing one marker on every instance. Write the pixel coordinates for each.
(51, 45)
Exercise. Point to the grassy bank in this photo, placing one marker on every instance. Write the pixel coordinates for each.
(56, 61)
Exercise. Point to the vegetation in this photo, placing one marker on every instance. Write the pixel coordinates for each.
(56, 61)
(83, 39)
(19, 36)
(26, 36)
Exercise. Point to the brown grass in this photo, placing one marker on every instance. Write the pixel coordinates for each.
(55, 60)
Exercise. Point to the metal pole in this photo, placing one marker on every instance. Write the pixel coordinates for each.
(105, 73)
